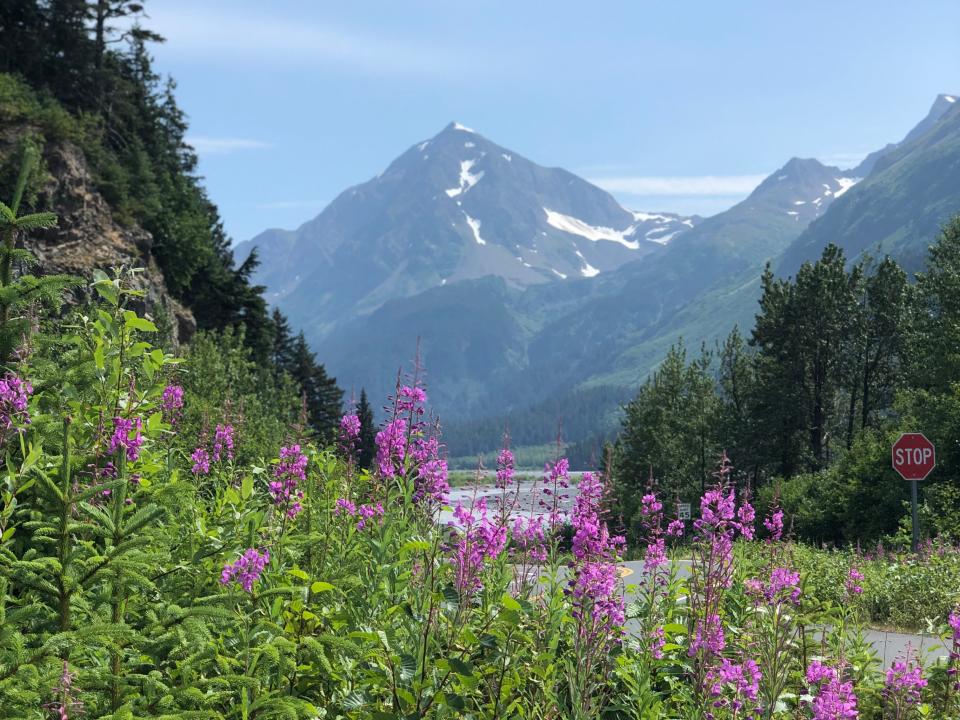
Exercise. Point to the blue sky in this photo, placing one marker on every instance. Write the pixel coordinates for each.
(678, 106)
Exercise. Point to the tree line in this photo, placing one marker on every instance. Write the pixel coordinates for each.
(80, 70)
(842, 357)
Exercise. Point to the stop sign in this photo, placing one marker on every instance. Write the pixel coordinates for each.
(913, 456)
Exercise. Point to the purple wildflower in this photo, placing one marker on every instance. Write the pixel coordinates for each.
(392, 447)
(475, 538)
(66, 702)
(598, 606)
(852, 585)
(246, 569)
(774, 524)
(171, 403)
(505, 464)
(123, 428)
(223, 442)
(14, 396)
(903, 687)
(735, 686)
(833, 698)
(201, 461)
(287, 476)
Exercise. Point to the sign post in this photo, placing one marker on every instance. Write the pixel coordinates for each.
(914, 458)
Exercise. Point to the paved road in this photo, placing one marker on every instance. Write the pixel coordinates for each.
(888, 645)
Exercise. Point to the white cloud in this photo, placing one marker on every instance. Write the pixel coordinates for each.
(225, 145)
(223, 34)
(707, 185)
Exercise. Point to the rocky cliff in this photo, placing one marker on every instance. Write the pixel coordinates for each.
(88, 235)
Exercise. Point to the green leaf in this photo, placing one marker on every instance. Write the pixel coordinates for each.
(320, 586)
(132, 321)
(460, 667)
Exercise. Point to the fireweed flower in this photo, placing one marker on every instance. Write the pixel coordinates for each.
(411, 400)
(598, 605)
(14, 396)
(201, 461)
(171, 403)
(430, 481)
(246, 569)
(287, 476)
(953, 621)
(774, 525)
(66, 702)
(711, 573)
(746, 516)
(903, 687)
(708, 635)
(349, 434)
(223, 442)
(505, 465)
(529, 538)
(127, 436)
(392, 447)
(784, 585)
(556, 480)
(475, 539)
(833, 699)
(363, 514)
(350, 427)
(367, 513)
(735, 687)
(854, 578)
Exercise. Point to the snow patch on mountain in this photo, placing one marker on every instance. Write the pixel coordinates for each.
(464, 128)
(475, 226)
(845, 184)
(587, 270)
(467, 179)
(575, 226)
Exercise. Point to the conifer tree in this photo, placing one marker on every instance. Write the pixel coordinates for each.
(18, 294)
(322, 396)
(281, 354)
(368, 432)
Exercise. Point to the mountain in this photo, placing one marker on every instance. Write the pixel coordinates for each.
(506, 349)
(492, 348)
(941, 105)
(913, 188)
(452, 208)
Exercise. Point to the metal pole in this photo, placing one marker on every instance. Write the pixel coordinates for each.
(916, 524)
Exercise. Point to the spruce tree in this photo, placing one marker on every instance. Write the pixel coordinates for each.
(367, 449)
(281, 354)
(322, 396)
(19, 294)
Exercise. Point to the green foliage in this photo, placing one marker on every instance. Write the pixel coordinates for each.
(20, 294)
(668, 435)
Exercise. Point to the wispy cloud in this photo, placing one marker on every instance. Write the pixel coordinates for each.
(220, 33)
(225, 145)
(689, 185)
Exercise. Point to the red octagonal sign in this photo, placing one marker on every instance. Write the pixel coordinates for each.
(914, 457)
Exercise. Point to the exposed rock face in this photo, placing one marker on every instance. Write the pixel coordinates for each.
(88, 237)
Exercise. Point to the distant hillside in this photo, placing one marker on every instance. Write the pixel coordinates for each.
(898, 209)
(452, 208)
